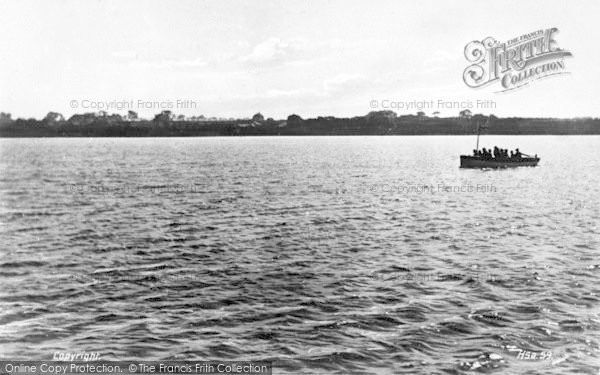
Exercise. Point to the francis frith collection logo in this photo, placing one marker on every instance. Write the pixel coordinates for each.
(514, 63)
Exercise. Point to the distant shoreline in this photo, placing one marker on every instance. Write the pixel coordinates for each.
(377, 123)
(299, 136)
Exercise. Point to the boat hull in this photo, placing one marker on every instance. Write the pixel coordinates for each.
(477, 162)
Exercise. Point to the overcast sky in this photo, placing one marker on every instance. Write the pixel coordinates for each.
(235, 58)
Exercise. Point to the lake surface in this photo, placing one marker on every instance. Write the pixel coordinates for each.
(323, 254)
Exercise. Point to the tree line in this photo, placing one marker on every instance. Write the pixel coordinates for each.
(166, 123)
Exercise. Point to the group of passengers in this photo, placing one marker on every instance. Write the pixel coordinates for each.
(497, 153)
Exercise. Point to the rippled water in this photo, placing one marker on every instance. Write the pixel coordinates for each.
(323, 254)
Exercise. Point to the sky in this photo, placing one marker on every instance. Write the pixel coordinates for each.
(234, 58)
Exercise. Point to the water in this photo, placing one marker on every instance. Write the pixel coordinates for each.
(323, 254)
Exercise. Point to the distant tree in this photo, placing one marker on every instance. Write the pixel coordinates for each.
(294, 119)
(436, 113)
(53, 117)
(258, 117)
(181, 118)
(132, 116)
(421, 114)
(5, 118)
(163, 119)
(83, 119)
(479, 117)
(164, 116)
(381, 115)
(466, 114)
(114, 118)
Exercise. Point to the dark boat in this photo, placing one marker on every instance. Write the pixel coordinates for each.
(479, 162)
(519, 160)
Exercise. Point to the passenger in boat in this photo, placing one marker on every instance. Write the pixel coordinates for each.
(517, 153)
(475, 152)
(496, 152)
(512, 154)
